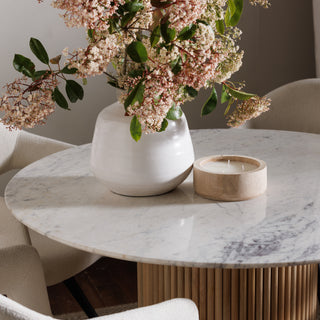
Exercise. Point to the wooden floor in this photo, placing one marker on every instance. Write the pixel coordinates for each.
(106, 283)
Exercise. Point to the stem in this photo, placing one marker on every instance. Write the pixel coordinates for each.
(110, 75)
(144, 29)
(61, 76)
(125, 63)
(184, 50)
(133, 23)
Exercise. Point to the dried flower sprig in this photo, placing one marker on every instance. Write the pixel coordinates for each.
(247, 110)
(263, 3)
(163, 53)
(26, 105)
(29, 100)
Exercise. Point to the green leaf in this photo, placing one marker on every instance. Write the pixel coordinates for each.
(59, 98)
(176, 65)
(225, 96)
(164, 125)
(40, 74)
(127, 18)
(114, 83)
(228, 106)
(84, 81)
(136, 73)
(167, 33)
(137, 52)
(211, 103)
(155, 36)
(113, 26)
(120, 10)
(160, 4)
(220, 26)
(229, 12)
(237, 15)
(192, 92)
(135, 95)
(66, 70)
(233, 13)
(74, 90)
(240, 94)
(135, 129)
(91, 33)
(24, 65)
(187, 32)
(133, 6)
(39, 51)
(174, 113)
(203, 22)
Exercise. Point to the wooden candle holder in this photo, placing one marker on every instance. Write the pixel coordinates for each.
(235, 186)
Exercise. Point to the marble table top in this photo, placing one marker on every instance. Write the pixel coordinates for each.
(59, 197)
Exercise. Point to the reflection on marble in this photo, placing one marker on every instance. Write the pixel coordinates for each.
(59, 197)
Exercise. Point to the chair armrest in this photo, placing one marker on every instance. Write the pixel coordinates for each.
(11, 310)
(175, 309)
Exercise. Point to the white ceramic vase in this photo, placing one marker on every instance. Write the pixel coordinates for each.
(156, 164)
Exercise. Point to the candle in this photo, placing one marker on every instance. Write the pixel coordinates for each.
(229, 177)
(228, 166)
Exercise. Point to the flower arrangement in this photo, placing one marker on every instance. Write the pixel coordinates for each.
(162, 52)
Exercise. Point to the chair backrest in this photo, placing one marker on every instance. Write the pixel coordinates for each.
(175, 309)
(8, 141)
(20, 148)
(294, 107)
(22, 279)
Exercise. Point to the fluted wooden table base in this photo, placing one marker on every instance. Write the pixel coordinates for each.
(288, 293)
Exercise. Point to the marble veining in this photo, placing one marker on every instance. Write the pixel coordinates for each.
(59, 197)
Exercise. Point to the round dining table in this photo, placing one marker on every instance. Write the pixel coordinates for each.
(253, 259)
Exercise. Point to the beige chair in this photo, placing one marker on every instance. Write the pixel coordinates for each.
(175, 309)
(23, 294)
(60, 262)
(294, 107)
(22, 279)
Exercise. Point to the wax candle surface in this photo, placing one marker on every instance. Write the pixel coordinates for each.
(228, 166)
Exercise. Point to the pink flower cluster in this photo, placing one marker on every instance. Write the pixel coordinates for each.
(91, 14)
(26, 105)
(95, 59)
(184, 12)
(163, 88)
(248, 109)
(199, 69)
(159, 96)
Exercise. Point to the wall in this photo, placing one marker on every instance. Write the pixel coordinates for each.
(278, 44)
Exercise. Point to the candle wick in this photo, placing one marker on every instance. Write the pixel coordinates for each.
(229, 163)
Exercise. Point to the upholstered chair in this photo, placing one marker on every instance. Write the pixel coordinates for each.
(60, 262)
(295, 107)
(23, 294)
(22, 279)
(176, 309)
